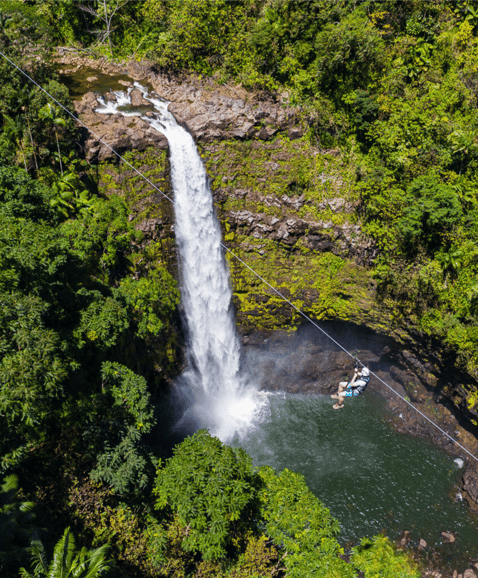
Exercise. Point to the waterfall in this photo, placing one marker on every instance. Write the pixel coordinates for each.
(219, 396)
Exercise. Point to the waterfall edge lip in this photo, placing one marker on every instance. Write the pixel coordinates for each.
(213, 392)
(183, 124)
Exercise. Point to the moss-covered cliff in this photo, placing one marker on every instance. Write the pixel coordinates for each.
(289, 212)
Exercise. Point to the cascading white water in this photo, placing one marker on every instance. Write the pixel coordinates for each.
(220, 397)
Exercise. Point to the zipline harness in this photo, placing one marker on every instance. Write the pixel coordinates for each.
(241, 261)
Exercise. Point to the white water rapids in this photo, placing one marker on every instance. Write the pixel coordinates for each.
(217, 396)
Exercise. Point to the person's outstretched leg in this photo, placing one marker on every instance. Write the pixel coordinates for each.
(342, 386)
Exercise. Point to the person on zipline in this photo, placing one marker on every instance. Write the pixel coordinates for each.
(355, 387)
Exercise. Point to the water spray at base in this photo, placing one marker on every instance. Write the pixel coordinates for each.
(213, 391)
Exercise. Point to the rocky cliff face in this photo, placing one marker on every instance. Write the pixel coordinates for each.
(274, 191)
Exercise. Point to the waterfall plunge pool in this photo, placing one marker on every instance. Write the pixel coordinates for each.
(369, 476)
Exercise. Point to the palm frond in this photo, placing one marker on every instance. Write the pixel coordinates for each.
(38, 557)
(10, 484)
(62, 556)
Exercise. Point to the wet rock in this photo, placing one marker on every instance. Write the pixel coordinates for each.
(116, 131)
(404, 539)
(470, 486)
(448, 537)
(87, 104)
(137, 98)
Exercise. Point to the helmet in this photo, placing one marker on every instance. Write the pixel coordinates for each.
(365, 371)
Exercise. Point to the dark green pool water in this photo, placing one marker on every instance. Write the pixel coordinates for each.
(369, 476)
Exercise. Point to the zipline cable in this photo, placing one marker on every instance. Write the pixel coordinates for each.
(304, 315)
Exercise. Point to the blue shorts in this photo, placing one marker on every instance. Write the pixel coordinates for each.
(350, 392)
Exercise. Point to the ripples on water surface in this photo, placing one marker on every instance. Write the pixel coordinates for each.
(368, 475)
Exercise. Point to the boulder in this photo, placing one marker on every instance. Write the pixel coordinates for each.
(213, 115)
(469, 573)
(295, 132)
(448, 537)
(422, 544)
(137, 98)
(470, 486)
(87, 104)
(288, 231)
(404, 539)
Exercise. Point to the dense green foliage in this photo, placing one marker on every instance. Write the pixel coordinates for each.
(17, 530)
(393, 85)
(210, 488)
(72, 305)
(60, 323)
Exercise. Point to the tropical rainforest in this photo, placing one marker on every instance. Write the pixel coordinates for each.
(89, 310)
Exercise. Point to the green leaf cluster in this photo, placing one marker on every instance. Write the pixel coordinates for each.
(378, 557)
(67, 561)
(210, 487)
(121, 460)
(301, 525)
